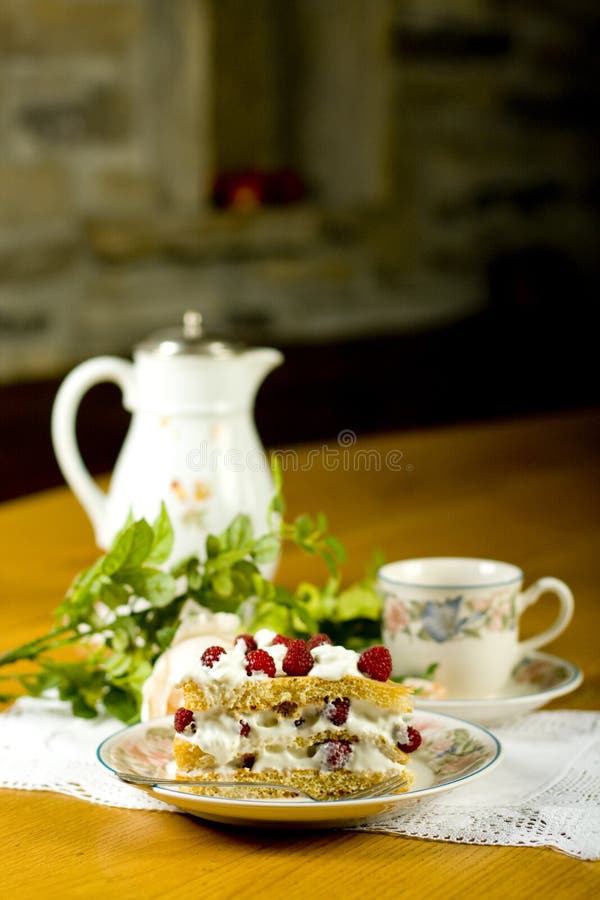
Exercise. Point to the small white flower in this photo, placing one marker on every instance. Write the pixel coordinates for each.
(200, 628)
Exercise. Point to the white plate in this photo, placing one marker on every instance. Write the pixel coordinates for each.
(535, 680)
(453, 752)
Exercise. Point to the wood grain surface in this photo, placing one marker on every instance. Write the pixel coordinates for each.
(527, 491)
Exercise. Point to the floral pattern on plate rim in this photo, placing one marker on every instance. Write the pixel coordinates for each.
(453, 752)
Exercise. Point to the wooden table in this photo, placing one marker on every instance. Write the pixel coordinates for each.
(526, 491)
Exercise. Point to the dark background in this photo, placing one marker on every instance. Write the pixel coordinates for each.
(479, 170)
(491, 366)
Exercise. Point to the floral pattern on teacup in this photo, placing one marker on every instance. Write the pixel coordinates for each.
(455, 617)
(455, 752)
(396, 615)
(443, 621)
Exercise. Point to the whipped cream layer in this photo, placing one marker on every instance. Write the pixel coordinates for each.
(219, 734)
(363, 758)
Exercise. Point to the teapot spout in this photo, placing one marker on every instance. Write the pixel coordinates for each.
(259, 362)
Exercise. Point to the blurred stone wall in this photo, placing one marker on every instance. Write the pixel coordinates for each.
(434, 138)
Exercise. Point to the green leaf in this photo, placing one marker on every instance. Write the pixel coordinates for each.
(143, 538)
(329, 562)
(308, 548)
(120, 545)
(322, 523)
(222, 584)
(245, 567)
(242, 583)
(181, 568)
(336, 547)
(266, 549)
(283, 596)
(277, 505)
(121, 704)
(160, 588)
(194, 579)
(119, 550)
(213, 546)
(130, 548)
(374, 564)
(264, 590)
(319, 604)
(113, 594)
(359, 601)
(304, 526)
(273, 616)
(138, 675)
(118, 664)
(119, 642)
(156, 586)
(310, 625)
(78, 603)
(240, 532)
(430, 671)
(82, 708)
(162, 544)
(164, 636)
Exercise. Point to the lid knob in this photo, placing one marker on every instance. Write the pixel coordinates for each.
(192, 325)
(189, 339)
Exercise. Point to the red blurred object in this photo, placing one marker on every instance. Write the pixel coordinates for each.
(239, 190)
(284, 187)
(246, 190)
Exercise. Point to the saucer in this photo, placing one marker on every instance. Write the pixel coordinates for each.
(535, 680)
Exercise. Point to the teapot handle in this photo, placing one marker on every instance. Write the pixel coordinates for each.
(64, 416)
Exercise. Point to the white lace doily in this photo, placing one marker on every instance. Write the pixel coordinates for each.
(544, 793)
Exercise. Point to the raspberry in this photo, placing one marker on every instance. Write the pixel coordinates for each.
(335, 754)
(297, 661)
(211, 655)
(282, 639)
(248, 761)
(376, 663)
(244, 728)
(317, 639)
(183, 718)
(337, 710)
(248, 640)
(414, 741)
(260, 661)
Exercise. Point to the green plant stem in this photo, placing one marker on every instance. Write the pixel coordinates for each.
(39, 645)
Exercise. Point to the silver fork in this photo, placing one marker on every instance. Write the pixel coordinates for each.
(387, 786)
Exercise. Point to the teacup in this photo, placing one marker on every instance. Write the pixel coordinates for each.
(462, 614)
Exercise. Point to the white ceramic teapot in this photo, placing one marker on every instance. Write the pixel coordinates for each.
(192, 440)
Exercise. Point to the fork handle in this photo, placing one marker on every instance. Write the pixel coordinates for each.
(143, 781)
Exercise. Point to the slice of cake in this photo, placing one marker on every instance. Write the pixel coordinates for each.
(310, 715)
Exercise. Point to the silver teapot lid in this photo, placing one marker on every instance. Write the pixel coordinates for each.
(189, 339)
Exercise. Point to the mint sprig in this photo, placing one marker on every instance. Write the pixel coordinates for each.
(123, 612)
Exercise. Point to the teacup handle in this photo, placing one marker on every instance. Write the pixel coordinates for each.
(563, 592)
